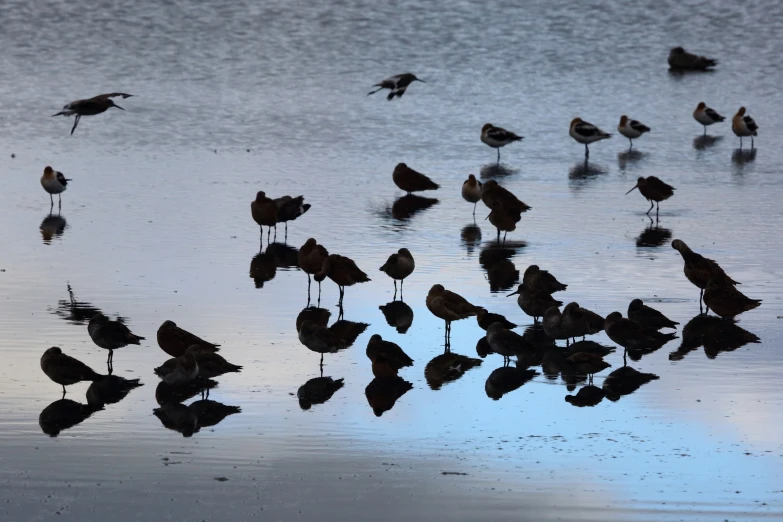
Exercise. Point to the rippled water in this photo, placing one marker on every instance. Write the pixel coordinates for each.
(235, 97)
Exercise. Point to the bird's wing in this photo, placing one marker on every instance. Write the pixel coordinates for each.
(61, 178)
(750, 124)
(639, 127)
(587, 129)
(113, 95)
(712, 114)
(496, 133)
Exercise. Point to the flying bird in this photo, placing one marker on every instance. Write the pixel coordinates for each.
(91, 106)
(396, 85)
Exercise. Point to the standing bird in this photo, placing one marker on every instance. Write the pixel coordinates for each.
(647, 317)
(387, 352)
(471, 191)
(110, 335)
(90, 106)
(586, 133)
(553, 325)
(507, 343)
(65, 370)
(398, 267)
(184, 370)
(725, 300)
(706, 116)
(54, 182)
(492, 192)
(654, 190)
(497, 137)
(264, 212)
(682, 60)
(699, 269)
(588, 363)
(631, 129)
(343, 271)
(541, 280)
(631, 336)
(409, 180)
(175, 341)
(504, 219)
(396, 84)
(534, 303)
(311, 257)
(580, 322)
(486, 319)
(744, 126)
(288, 209)
(448, 306)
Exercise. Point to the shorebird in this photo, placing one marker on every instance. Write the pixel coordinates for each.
(343, 271)
(448, 306)
(541, 280)
(680, 59)
(311, 257)
(553, 324)
(534, 303)
(54, 182)
(497, 137)
(631, 129)
(264, 211)
(580, 322)
(398, 267)
(175, 341)
(492, 193)
(409, 180)
(504, 219)
(725, 300)
(390, 354)
(319, 339)
(630, 335)
(65, 370)
(288, 209)
(471, 191)
(507, 343)
(396, 84)
(486, 319)
(317, 390)
(706, 116)
(91, 106)
(110, 335)
(647, 317)
(654, 190)
(182, 370)
(210, 364)
(699, 269)
(588, 363)
(744, 126)
(586, 133)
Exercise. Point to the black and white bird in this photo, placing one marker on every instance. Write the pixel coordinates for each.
(586, 133)
(631, 129)
(682, 60)
(743, 125)
(91, 106)
(706, 116)
(54, 182)
(497, 137)
(396, 85)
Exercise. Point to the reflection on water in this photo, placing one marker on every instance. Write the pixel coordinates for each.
(740, 158)
(52, 226)
(77, 312)
(398, 315)
(110, 390)
(629, 156)
(583, 172)
(263, 268)
(408, 206)
(625, 381)
(653, 236)
(64, 414)
(496, 171)
(348, 331)
(317, 390)
(715, 334)
(448, 367)
(506, 379)
(382, 394)
(211, 413)
(471, 236)
(587, 396)
(705, 141)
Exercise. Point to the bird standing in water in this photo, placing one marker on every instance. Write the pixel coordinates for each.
(497, 137)
(91, 106)
(54, 182)
(743, 125)
(654, 190)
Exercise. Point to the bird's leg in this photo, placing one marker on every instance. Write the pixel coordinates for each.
(286, 232)
(474, 209)
(75, 123)
(657, 210)
(207, 393)
(751, 143)
(498, 240)
(625, 356)
(701, 295)
(587, 151)
(498, 149)
(51, 198)
(322, 362)
(652, 204)
(268, 234)
(59, 201)
(504, 237)
(631, 141)
(705, 130)
(740, 142)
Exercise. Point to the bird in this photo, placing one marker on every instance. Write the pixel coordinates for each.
(541, 280)
(506, 342)
(654, 190)
(396, 84)
(90, 106)
(497, 137)
(399, 266)
(580, 322)
(680, 59)
(343, 271)
(54, 182)
(288, 209)
(586, 133)
(630, 335)
(388, 352)
(409, 180)
(631, 129)
(311, 257)
(706, 116)
(588, 363)
(744, 126)
(492, 192)
(448, 306)
(471, 191)
(319, 339)
(725, 300)
(485, 319)
(553, 324)
(699, 269)
(504, 219)
(534, 303)
(175, 341)
(647, 317)
(264, 211)
(64, 369)
(183, 370)
(110, 335)
(210, 364)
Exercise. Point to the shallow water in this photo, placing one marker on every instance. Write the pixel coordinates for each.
(233, 97)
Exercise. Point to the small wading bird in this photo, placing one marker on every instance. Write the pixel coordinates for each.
(175, 341)
(311, 257)
(682, 60)
(398, 267)
(586, 133)
(471, 191)
(91, 106)
(654, 190)
(288, 209)
(497, 137)
(65, 370)
(448, 306)
(409, 180)
(631, 129)
(744, 126)
(396, 84)
(264, 211)
(343, 271)
(110, 335)
(54, 182)
(706, 116)
(700, 270)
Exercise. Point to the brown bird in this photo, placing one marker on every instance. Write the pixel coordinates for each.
(497, 137)
(588, 363)
(54, 182)
(648, 318)
(630, 335)
(507, 343)
(175, 341)
(396, 84)
(699, 269)
(504, 219)
(492, 193)
(311, 257)
(553, 325)
(580, 322)
(534, 303)
(65, 370)
(91, 106)
(110, 335)
(409, 180)
(383, 369)
(210, 364)
(180, 371)
(448, 306)
(654, 190)
(388, 352)
(319, 339)
(541, 280)
(725, 300)
(471, 191)
(343, 271)
(264, 211)
(399, 266)
(486, 319)
(744, 126)
(680, 59)
(288, 209)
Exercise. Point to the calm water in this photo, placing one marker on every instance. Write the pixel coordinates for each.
(235, 97)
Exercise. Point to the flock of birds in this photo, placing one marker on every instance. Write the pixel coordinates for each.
(194, 362)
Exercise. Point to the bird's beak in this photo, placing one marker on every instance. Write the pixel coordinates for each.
(634, 187)
(115, 105)
(513, 293)
(417, 80)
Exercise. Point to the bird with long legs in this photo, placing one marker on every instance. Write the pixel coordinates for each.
(398, 267)
(397, 85)
(343, 271)
(91, 106)
(448, 306)
(111, 335)
(65, 370)
(264, 212)
(497, 137)
(54, 182)
(586, 133)
(631, 129)
(311, 257)
(654, 190)
(471, 191)
(706, 116)
(744, 126)
(699, 270)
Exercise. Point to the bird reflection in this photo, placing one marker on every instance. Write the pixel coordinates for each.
(624, 381)
(471, 236)
(77, 312)
(407, 206)
(483, 348)
(715, 334)
(702, 142)
(448, 367)
(317, 390)
(178, 417)
(584, 171)
(398, 315)
(495, 171)
(507, 379)
(653, 236)
(739, 157)
(536, 337)
(285, 256)
(628, 156)
(382, 394)
(64, 414)
(110, 390)
(263, 268)
(348, 331)
(502, 276)
(586, 396)
(52, 226)
(318, 316)
(211, 413)
(166, 393)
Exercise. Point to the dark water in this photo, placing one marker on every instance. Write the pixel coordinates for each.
(235, 97)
